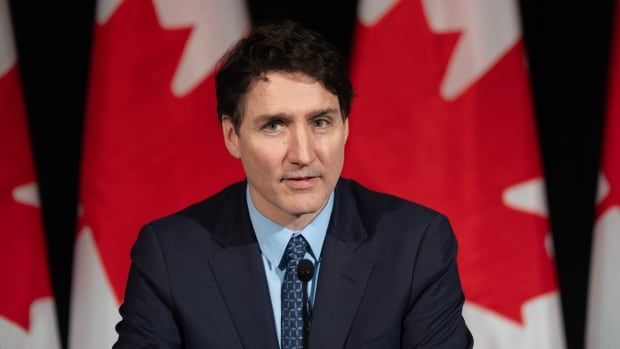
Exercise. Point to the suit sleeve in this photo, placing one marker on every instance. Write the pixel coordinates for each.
(147, 311)
(434, 318)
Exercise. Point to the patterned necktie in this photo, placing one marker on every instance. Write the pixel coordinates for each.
(291, 297)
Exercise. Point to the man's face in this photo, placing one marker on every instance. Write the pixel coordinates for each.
(291, 144)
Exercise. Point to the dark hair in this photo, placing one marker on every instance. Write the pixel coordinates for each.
(282, 46)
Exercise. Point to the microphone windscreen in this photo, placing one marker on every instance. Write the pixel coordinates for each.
(305, 270)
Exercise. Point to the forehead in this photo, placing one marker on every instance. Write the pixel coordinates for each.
(289, 93)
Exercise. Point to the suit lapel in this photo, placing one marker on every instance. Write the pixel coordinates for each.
(341, 285)
(240, 275)
(343, 274)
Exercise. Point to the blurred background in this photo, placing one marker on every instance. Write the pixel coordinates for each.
(565, 52)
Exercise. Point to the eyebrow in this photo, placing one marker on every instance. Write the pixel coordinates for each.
(321, 112)
(283, 116)
(271, 117)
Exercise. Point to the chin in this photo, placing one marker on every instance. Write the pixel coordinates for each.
(302, 206)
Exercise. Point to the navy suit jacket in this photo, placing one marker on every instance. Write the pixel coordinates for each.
(388, 279)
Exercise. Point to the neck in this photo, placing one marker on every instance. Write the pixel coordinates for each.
(295, 223)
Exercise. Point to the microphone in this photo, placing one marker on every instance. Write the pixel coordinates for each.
(305, 272)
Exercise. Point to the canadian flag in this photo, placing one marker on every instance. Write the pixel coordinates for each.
(27, 312)
(604, 305)
(152, 144)
(443, 116)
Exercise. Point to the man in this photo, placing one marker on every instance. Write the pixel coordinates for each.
(223, 273)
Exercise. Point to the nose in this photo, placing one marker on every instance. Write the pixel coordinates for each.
(301, 150)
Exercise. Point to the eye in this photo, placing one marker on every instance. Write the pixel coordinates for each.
(272, 125)
(320, 123)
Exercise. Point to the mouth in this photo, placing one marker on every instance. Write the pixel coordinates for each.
(301, 182)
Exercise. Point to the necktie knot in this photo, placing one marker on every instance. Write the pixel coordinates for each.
(295, 250)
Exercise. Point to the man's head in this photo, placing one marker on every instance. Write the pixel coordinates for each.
(283, 100)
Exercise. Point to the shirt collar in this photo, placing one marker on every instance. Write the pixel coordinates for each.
(273, 238)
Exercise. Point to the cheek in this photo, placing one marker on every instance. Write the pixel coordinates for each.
(338, 162)
(333, 153)
(261, 161)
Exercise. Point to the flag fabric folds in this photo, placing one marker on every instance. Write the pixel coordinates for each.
(152, 142)
(443, 117)
(603, 302)
(27, 311)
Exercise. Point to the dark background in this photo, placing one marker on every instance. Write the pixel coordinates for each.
(567, 44)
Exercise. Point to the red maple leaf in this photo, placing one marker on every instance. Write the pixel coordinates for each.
(455, 156)
(147, 152)
(23, 262)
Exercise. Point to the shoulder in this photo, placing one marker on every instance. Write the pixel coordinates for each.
(208, 211)
(375, 207)
(196, 225)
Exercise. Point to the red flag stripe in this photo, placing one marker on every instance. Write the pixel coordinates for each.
(152, 145)
(603, 304)
(444, 117)
(27, 315)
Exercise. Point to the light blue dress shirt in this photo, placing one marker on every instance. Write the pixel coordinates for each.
(272, 240)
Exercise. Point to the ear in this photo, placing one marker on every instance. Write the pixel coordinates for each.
(346, 129)
(231, 138)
